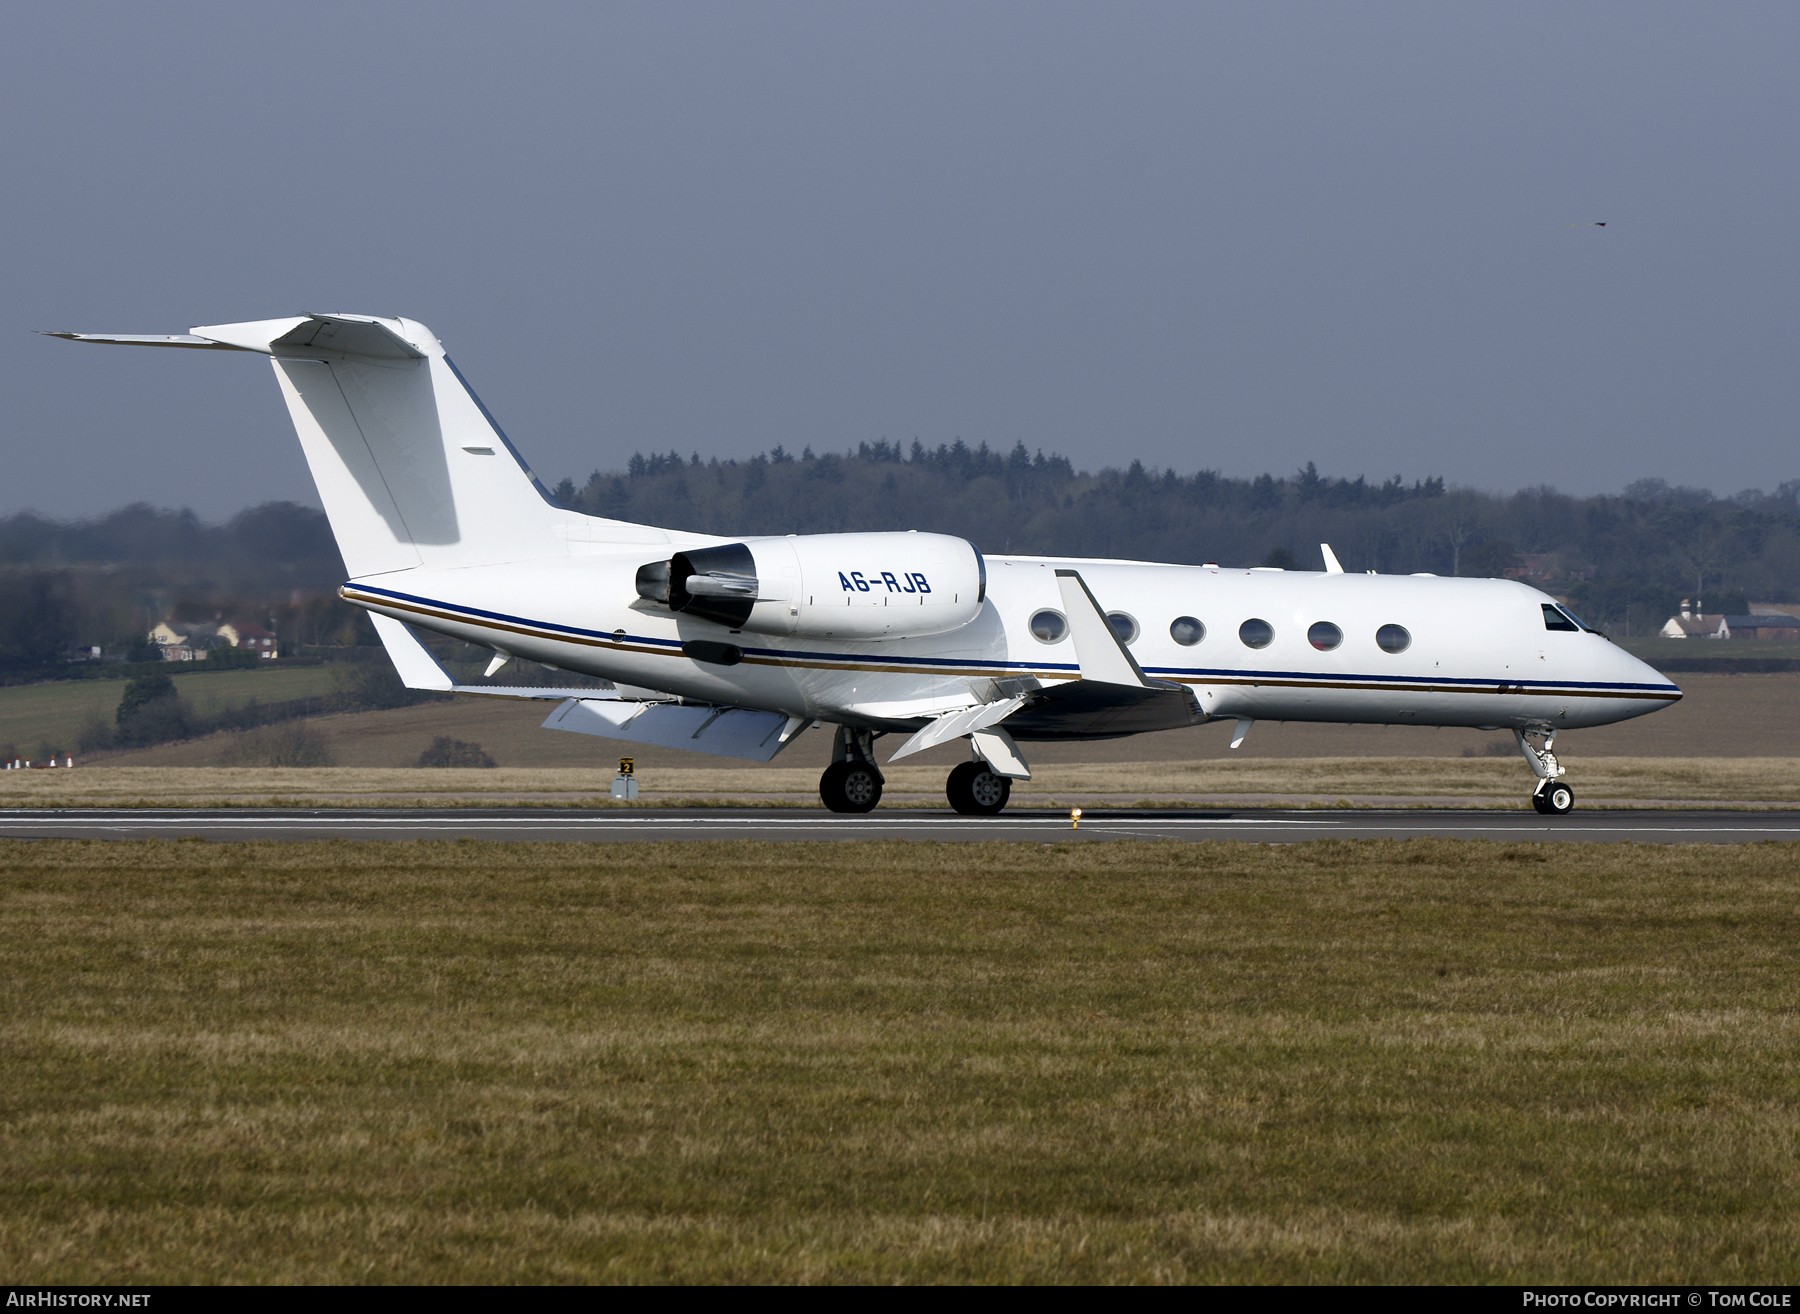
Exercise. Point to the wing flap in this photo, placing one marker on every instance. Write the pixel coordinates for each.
(1001, 754)
(954, 725)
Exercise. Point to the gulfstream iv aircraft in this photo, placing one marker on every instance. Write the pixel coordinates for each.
(737, 646)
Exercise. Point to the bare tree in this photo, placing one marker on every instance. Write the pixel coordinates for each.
(1458, 523)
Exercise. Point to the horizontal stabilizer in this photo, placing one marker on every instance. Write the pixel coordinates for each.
(149, 340)
(354, 335)
(721, 731)
(305, 336)
(954, 725)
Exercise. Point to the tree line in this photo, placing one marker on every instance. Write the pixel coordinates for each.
(1625, 558)
(1621, 559)
(106, 581)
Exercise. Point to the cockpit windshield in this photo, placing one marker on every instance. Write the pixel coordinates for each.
(1561, 618)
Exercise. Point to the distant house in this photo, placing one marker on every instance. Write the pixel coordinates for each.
(1692, 624)
(185, 644)
(1765, 621)
(189, 642)
(248, 634)
(1761, 626)
(172, 642)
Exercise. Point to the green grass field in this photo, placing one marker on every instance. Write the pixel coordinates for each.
(1656, 649)
(462, 1062)
(33, 716)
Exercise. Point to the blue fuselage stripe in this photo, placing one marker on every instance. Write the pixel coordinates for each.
(1485, 684)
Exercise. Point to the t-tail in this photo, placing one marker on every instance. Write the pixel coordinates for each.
(411, 468)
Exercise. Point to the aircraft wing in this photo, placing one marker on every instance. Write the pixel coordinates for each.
(1113, 697)
(723, 731)
(1088, 709)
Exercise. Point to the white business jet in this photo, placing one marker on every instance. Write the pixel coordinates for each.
(735, 647)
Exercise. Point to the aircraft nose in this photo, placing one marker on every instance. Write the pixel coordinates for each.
(1644, 673)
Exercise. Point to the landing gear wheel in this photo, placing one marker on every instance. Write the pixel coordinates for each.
(1554, 799)
(975, 791)
(850, 787)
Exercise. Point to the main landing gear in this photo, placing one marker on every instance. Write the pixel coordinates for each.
(852, 783)
(1552, 797)
(975, 791)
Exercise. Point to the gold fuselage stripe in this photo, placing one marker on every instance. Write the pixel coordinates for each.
(350, 594)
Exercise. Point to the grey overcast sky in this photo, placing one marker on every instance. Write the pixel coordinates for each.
(1237, 236)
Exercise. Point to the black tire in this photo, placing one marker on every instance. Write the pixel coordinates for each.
(850, 787)
(1559, 799)
(975, 791)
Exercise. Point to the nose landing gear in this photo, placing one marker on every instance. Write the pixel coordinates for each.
(1551, 798)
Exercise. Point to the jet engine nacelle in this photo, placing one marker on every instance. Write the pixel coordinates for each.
(826, 586)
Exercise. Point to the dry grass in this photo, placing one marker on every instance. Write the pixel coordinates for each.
(1338, 1062)
(1473, 782)
(1721, 716)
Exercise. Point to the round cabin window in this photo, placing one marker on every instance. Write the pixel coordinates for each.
(1049, 626)
(1256, 633)
(1324, 636)
(1186, 631)
(1393, 638)
(1123, 626)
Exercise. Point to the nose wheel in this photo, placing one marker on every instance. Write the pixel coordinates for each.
(1553, 798)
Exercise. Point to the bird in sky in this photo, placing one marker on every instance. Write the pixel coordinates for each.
(1601, 224)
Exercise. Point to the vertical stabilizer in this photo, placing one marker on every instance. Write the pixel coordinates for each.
(411, 468)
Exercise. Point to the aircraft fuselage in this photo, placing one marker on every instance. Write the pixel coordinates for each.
(1476, 653)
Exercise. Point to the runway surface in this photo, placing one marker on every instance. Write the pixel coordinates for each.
(619, 826)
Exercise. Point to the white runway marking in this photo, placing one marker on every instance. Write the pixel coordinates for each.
(612, 826)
